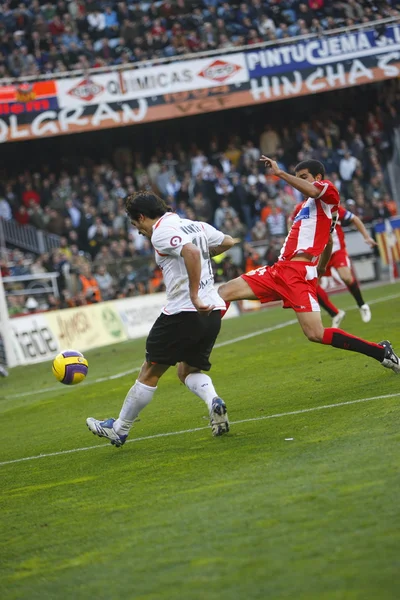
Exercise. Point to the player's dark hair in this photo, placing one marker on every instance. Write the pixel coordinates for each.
(147, 204)
(313, 166)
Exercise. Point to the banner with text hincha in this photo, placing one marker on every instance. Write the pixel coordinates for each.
(324, 64)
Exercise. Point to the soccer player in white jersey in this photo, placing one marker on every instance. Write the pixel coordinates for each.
(189, 324)
(305, 252)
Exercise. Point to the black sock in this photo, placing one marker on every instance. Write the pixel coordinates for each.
(346, 341)
(355, 291)
(328, 309)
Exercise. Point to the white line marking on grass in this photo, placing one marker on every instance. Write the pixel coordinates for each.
(170, 433)
(218, 345)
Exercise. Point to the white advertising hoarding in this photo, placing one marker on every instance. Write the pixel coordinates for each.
(132, 84)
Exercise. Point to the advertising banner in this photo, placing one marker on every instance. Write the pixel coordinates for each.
(387, 234)
(324, 64)
(133, 84)
(183, 88)
(34, 339)
(29, 99)
(116, 99)
(138, 314)
(86, 327)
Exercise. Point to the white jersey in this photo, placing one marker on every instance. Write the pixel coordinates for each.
(170, 234)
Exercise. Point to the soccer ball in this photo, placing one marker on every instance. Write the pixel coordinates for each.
(70, 367)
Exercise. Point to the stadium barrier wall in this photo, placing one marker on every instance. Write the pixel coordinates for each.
(39, 337)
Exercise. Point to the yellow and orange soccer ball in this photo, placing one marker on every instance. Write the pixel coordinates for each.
(70, 367)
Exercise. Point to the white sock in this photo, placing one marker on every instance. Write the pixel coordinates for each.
(136, 400)
(201, 385)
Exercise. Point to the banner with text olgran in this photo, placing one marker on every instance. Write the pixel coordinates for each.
(131, 96)
(86, 327)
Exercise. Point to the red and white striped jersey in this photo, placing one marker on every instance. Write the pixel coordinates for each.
(312, 223)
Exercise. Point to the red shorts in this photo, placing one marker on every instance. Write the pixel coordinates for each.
(294, 282)
(340, 258)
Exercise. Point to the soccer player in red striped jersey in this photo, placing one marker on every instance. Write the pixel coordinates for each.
(307, 249)
(340, 261)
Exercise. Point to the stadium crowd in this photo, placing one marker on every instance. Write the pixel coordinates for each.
(222, 183)
(41, 37)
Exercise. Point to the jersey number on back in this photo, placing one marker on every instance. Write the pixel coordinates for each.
(201, 245)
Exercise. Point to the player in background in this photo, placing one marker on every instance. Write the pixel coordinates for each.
(189, 324)
(293, 278)
(340, 260)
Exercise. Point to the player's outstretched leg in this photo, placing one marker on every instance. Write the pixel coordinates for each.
(324, 301)
(201, 384)
(312, 327)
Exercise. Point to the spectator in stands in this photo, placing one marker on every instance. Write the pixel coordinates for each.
(276, 223)
(88, 285)
(269, 141)
(347, 168)
(105, 282)
(5, 209)
(223, 212)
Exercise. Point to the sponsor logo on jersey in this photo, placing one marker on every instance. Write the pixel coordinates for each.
(304, 213)
(175, 241)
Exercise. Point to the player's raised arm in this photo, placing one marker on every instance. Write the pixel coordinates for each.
(305, 187)
(359, 225)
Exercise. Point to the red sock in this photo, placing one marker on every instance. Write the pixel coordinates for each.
(324, 301)
(223, 312)
(341, 339)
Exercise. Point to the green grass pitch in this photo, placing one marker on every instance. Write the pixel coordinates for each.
(252, 515)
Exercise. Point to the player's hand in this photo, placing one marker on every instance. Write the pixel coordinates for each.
(270, 164)
(371, 242)
(203, 309)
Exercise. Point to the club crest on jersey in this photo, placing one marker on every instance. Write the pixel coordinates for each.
(175, 241)
(304, 213)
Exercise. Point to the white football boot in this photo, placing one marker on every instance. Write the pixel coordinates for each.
(106, 430)
(365, 312)
(337, 319)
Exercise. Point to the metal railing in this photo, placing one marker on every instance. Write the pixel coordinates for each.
(197, 55)
(40, 283)
(27, 237)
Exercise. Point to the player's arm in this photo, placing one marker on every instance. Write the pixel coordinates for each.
(325, 256)
(305, 187)
(356, 221)
(191, 256)
(227, 243)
